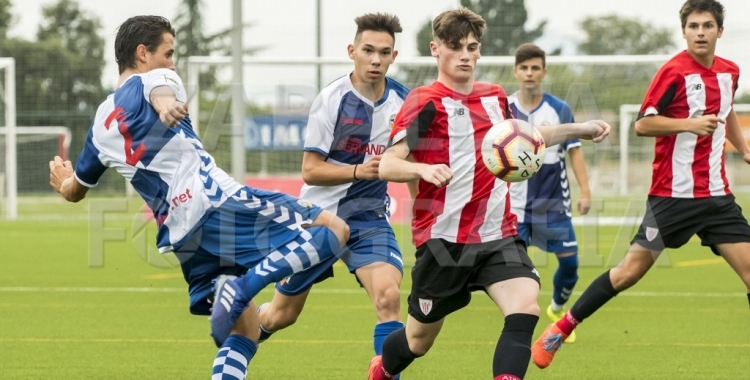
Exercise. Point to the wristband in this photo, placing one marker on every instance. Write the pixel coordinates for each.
(355, 172)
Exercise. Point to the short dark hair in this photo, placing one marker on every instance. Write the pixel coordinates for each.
(378, 22)
(453, 26)
(699, 6)
(529, 51)
(139, 30)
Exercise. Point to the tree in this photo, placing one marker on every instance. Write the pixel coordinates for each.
(506, 27)
(72, 82)
(615, 35)
(6, 19)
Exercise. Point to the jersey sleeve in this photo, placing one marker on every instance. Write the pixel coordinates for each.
(413, 120)
(320, 125)
(89, 167)
(163, 77)
(660, 93)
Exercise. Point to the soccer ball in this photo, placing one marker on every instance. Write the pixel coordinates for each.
(513, 150)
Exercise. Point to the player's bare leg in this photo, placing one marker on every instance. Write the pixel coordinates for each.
(517, 299)
(382, 281)
(631, 269)
(280, 313)
(738, 257)
(402, 347)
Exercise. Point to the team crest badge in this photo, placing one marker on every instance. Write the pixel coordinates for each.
(651, 233)
(304, 203)
(425, 306)
(392, 120)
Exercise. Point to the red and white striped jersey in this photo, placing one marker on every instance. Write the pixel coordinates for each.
(444, 127)
(686, 165)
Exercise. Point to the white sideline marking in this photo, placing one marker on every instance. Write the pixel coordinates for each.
(28, 289)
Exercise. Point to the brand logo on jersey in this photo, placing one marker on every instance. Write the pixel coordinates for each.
(536, 273)
(352, 120)
(651, 233)
(459, 111)
(180, 199)
(425, 306)
(353, 145)
(697, 86)
(392, 120)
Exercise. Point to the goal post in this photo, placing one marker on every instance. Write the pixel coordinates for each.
(8, 65)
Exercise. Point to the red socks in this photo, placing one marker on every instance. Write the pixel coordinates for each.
(567, 323)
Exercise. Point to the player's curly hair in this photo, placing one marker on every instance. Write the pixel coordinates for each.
(378, 22)
(139, 30)
(452, 26)
(699, 6)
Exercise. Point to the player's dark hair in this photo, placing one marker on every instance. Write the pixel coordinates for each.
(529, 51)
(139, 30)
(452, 26)
(378, 22)
(699, 6)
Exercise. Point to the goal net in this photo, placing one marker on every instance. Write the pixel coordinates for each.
(34, 147)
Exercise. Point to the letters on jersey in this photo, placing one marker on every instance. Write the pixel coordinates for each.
(168, 167)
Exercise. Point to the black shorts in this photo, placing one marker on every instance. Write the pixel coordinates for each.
(671, 222)
(446, 273)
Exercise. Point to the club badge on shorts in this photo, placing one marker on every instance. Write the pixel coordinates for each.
(651, 233)
(425, 306)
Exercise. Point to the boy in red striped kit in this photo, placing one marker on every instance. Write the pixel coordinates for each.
(688, 108)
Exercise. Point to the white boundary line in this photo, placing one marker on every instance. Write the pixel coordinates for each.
(28, 289)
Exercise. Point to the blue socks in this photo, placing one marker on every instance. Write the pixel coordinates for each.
(233, 357)
(565, 279)
(319, 244)
(381, 332)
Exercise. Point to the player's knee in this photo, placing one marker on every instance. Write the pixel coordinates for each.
(388, 302)
(420, 344)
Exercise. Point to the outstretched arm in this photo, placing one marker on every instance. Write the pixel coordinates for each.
(596, 130)
(579, 170)
(62, 179)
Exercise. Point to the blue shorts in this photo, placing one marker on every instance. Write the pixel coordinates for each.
(553, 237)
(237, 236)
(366, 245)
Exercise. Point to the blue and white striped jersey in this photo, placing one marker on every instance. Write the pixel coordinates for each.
(549, 189)
(168, 167)
(347, 129)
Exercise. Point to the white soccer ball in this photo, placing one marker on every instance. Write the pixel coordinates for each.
(513, 150)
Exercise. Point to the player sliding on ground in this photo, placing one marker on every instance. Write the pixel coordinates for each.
(215, 226)
(463, 228)
(688, 108)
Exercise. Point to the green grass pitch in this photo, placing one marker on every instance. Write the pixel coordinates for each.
(68, 313)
